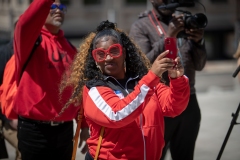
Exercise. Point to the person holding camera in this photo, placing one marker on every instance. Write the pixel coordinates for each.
(149, 32)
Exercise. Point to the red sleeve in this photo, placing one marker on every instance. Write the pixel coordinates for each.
(174, 99)
(28, 29)
(104, 107)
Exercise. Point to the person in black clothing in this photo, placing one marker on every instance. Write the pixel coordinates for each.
(8, 127)
(6, 52)
(149, 32)
(3, 153)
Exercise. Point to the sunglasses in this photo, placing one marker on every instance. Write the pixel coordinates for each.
(100, 54)
(61, 7)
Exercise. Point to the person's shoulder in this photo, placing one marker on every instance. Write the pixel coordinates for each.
(142, 19)
(144, 14)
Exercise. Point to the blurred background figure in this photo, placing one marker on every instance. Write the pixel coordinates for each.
(149, 32)
(9, 127)
(237, 57)
(3, 153)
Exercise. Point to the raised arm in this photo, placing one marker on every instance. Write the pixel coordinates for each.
(28, 29)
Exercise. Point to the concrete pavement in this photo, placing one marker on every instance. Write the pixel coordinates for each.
(217, 104)
(218, 95)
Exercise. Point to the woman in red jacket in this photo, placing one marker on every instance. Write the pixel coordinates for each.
(121, 95)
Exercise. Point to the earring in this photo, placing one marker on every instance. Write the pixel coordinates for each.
(99, 67)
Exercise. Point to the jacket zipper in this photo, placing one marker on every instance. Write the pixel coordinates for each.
(140, 123)
(144, 144)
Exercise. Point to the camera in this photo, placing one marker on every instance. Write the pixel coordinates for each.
(196, 21)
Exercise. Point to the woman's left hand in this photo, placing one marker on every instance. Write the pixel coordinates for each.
(177, 70)
(84, 135)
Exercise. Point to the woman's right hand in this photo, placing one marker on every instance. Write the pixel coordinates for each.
(162, 64)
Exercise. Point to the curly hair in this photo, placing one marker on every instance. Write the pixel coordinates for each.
(83, 69)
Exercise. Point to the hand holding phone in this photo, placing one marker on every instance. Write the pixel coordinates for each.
(170, 43)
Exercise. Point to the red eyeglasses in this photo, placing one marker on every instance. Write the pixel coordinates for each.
(100, 54)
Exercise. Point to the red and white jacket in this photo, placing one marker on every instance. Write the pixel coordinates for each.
(134, 125)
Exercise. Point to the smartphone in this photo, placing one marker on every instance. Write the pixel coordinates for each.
(170, 43)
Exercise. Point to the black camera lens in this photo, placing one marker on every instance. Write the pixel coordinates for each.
(196, 21)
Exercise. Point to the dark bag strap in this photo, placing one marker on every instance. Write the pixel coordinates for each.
(36, 44)
(71, 44)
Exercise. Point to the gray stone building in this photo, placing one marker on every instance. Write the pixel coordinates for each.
(83, 16)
